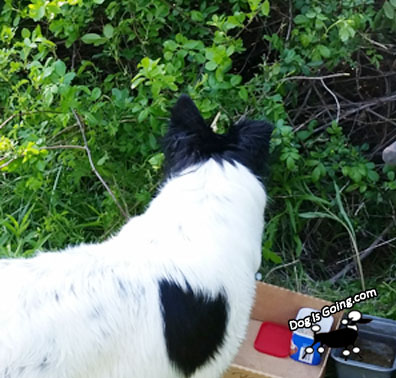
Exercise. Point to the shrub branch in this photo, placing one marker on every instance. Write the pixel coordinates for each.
(362, 255)
(88, 151)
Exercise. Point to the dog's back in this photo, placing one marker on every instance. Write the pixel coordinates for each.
(170, 295)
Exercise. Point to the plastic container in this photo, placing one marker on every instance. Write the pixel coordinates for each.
(273, 339)
(378, 335)
(304, 337)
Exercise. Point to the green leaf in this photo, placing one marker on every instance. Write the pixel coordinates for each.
(272, 256)
(393, 3)
(316, 174)
(103, 159)
(168, 55)
(243, 93)
(299, 245)
(95, 94)
(60, 68)
(230, 50)
(389, 10)
(69, 77)
(36, 11)
(253, 4)
(145, 63)
(108, 31)
(98, 1)
(152, 141)
(143, 115)
(343, 33)
(235, 80)
(312, 14)
(291, 212)
(211, 65)
(93, 38)
(342, 209)
(373, 176)
(265, 8)
(305, 39)
(192, 44)
(316, 214)
(25, 33)
(303, 135)
(137, 81)
(324, 51)
(300, 19)
(197, 16)
(290, 164)
(346, 31)
(157, 160)
(219, 74)
(170, 45)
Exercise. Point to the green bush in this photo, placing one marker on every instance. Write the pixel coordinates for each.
(121, 64)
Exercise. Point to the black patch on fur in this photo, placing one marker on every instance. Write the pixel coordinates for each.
(194, 325)
(190, 141)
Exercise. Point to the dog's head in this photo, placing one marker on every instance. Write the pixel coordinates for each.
(190, 141)
(354, 317)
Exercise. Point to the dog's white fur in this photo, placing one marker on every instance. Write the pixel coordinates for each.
(93, 311)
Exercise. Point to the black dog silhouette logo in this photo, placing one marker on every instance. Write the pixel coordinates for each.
(340, 338)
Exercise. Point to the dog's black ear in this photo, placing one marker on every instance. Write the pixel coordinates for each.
(252, 139)
(364, 321)
(253, 134)
(186, 116)
(189, 140)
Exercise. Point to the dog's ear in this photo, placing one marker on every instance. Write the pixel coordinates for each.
(185, 116)
(253, 135)
(252, 139)
(364, 321)
(189, 139)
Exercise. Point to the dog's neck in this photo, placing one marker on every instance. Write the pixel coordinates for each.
(224, 190)
(211, 210)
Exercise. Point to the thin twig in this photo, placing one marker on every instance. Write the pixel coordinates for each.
(304, 103)
(370, 248)
(247, 25)
(8, 162)
(340, 74)
(362, 255)
(323, 101)
(213, 125)
(66, 129)
(375, 43)
(386, 119)
(289, 28)
(358, 259)
(9, 119)
(363, 106)
(62, 146)
(88, 151)
(280, 267)
(315, 116)
(335, 98)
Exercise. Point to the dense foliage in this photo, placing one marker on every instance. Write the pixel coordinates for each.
(121, 65)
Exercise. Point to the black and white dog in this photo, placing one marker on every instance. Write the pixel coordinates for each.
(170, 295)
